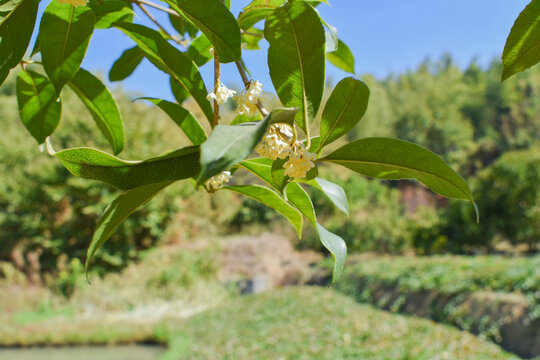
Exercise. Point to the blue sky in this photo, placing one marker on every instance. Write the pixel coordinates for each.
(386, 36)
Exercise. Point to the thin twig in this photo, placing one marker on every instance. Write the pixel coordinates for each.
(217, 75)
(151, 17)
(159, 7)
(252, 34)
(246, 81)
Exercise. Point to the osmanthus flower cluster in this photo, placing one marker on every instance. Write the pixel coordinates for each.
(271, 149)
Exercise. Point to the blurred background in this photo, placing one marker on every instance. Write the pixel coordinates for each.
(181, 278)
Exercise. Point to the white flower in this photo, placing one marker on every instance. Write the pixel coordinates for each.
(74, 2)
(217, 181)
(222, 94)
(300, 161)
(248, 100)
(275, 143)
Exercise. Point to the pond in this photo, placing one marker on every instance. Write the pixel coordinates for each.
(117, 352)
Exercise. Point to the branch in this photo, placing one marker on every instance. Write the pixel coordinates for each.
(246, 81)
(159, 7)
(217, 74)
(151, 17)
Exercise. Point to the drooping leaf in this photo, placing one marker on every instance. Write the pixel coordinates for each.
(183, 118)
(251, 38)
(271, 199)
(179, 91)
(344, 109)
(228, 145)
(296, 58)
(8, 5)
(126, 64)
(199, 50)
(296, 195)
(170, 60)
(262, 168)
(117, 211)
(64, 35)
(522, 48)
(333, 192)
(98, 165)
(394, 159)
(110, 11)
(216, 22)
(16, 29)
(102, 106)
(342, 57)
(337, 247)
(38, 106)
(256, 11)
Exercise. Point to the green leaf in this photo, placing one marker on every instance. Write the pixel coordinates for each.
(183, 118)
(344, 109)
(95, 164)
(110, 11)
(296, 58)
(337, 247)
(522, 48)
(117, 211)
(342, 57)
(333, 192)
(278, 174)
(170, 60)
(394, 159)
(179, 91)
(251, 38)
(15, 32)
(126, 64)
(256, 11)
(183, 26)
(9, 5)
(228, 145)
(273, 200)
(64, 35)
(39, 106)
(216, 22)
(297, 196)
(244, 118)
(102, 106)
(199, 50)
(262, 168)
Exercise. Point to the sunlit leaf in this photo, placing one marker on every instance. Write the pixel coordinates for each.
(337, 247)
(98, 165)
(64, 35)
(271, 199)
(262, 168)
(110, 11)
(170, 60)
(522, 49)
(256, 11)
(199, 50)
(118, 211)
(296, 58)
(126, 64)
(38, 106)
(342, 57)
(295, 194)
(183, 118)
(343, 110)
(102, 106)
(333, 192)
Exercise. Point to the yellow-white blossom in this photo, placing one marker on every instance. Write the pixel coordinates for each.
(276, 142)
(300, 161)
(247, 101)
(222, 94)
(217, 181)
(74, 2)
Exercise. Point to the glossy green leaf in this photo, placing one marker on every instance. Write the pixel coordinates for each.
(262, 168)
(170, 60)
(126, 64)
(102, 106)
(394, 159)
(183, 26)
(251, 38)
(337, 247)
(16, 29)
(296, 195)
(64, 35)
(183, 118)
(228, 145)
(342, 57)
(98, 165)
(296, 58)
(117, 211)
(271, 199)
(39, 106)
(522, 48)
(216, 22)
(243, 118)
(110, 11)
(256, 11)
(199, 50)
(344, 109)
(179, 91)
(8, 5)
(278, 174)
(333, 192)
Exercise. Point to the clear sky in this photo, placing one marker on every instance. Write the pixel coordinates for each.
(386, 36)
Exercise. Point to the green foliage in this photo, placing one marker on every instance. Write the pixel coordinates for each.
(126, 64)
(342, 57)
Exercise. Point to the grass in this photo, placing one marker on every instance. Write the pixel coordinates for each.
(317, 323)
